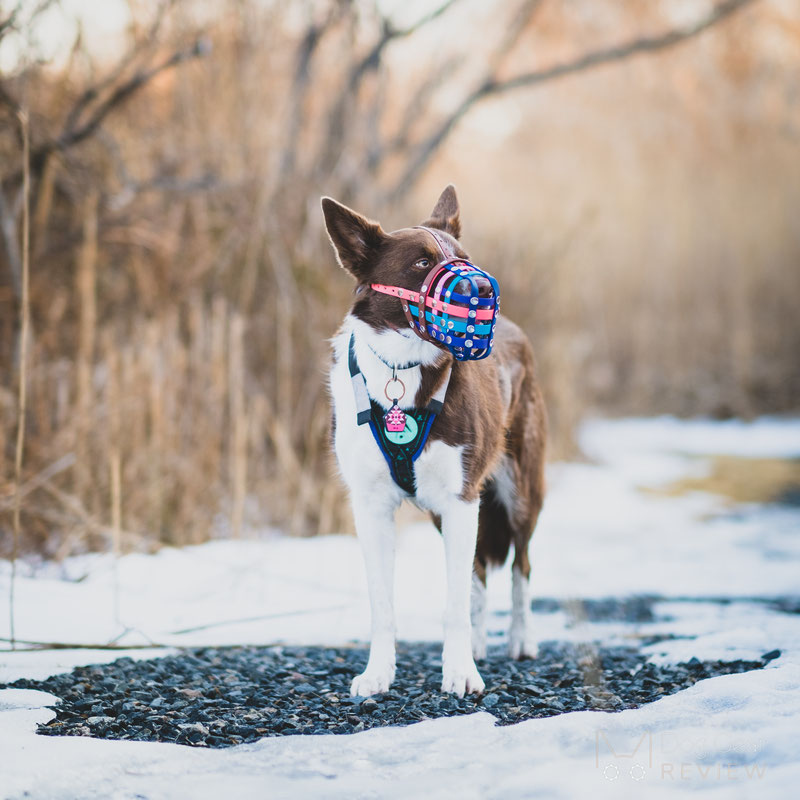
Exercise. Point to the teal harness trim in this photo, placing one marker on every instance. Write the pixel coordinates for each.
(400, 450)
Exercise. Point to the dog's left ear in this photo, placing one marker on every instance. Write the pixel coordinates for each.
(356, 239)
(446, 215)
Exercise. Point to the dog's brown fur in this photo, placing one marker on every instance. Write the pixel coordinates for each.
(494, 407)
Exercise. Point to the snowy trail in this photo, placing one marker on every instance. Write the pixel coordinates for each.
(600, 536)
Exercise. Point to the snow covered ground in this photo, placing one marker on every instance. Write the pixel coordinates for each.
(600, 536)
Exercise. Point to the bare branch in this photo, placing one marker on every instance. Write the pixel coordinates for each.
(25, 313)
(515, 29)
(94, 91)
(372, 120)
(416, 106)
(420, 23)
(413, 112)
(306, 50)
(160, 181)
(49, 472)
(368, 63)
(74, 135)
(8, 228)
(37, 645)
(7, 100)
(491, 86)
(9, 21)
(618, 53)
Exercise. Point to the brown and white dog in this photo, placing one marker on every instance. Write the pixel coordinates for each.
(480, 474)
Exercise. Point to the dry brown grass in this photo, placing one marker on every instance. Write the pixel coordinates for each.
(182, 290)
(744, 480)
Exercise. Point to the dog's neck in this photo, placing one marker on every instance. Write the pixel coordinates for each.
(377, 351)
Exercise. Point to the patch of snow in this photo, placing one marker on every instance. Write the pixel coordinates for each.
(599, 536)
(765, 437)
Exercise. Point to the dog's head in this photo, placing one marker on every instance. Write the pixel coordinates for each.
(385, 265)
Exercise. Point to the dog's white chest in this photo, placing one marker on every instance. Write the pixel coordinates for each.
(438, 469)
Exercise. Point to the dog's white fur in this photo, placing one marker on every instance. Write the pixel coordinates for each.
(478, 616)
(520, 641)
(375, 498)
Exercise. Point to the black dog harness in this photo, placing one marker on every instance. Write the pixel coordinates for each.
(400, 434)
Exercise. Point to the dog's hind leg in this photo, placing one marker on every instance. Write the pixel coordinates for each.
(509, 515)
(521, 643)
(376, 534)
(494, 540)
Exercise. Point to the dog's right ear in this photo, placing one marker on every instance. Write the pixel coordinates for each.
(355, 239)
(446, 215)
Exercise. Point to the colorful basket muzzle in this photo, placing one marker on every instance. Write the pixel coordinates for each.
(463, 321)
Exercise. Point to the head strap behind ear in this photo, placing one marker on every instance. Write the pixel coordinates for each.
(441, 243)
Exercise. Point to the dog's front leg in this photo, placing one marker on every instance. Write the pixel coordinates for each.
(375, 528)
(460, 531)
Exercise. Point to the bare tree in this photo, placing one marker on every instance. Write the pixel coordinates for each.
(346, 119)
(205, 233)
(492, 86)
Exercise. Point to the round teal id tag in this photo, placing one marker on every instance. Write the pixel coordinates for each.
(408, 434)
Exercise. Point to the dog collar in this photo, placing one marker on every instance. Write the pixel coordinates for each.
(395, 367)
(462, 323)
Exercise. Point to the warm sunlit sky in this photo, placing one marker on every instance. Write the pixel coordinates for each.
(103, 23)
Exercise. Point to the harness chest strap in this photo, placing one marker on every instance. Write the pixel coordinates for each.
(399, 455)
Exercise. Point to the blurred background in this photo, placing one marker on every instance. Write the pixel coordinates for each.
(629, 169)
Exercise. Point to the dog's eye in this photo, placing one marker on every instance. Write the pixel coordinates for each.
(423, 263)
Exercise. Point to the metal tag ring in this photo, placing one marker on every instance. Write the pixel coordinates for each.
(392, 397)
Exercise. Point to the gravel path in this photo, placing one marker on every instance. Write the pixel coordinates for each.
(219, 697)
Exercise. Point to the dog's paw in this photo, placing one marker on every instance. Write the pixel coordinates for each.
(521, 646)
(478, 647)
(461, 678)
(371, 681)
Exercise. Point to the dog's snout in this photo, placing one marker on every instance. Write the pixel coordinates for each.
(484, 287)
